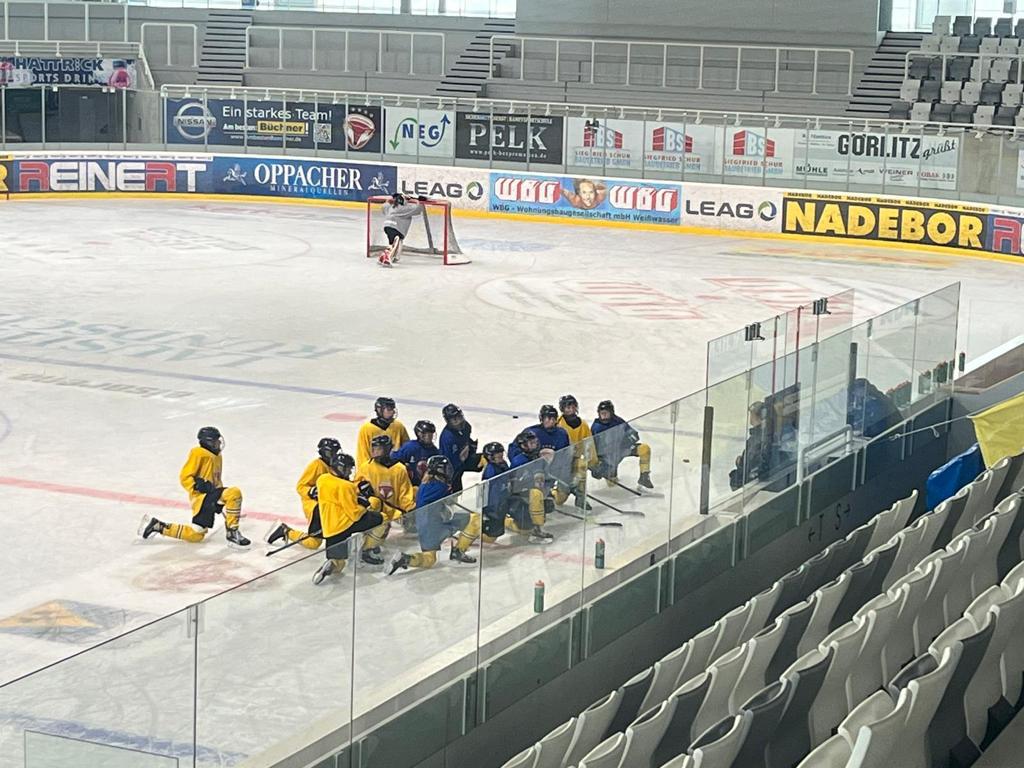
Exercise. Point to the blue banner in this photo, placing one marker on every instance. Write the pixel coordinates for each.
(637, 202)
(274, 124)
(283, 177)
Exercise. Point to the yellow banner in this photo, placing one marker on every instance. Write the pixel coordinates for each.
(1000, 429)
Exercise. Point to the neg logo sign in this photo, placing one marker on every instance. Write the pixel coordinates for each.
(766, 210)
(193, 121)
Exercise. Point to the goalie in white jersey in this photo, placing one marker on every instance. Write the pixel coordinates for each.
(398, 216)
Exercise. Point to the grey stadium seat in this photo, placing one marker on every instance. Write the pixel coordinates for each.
(921, 112)
(989, 45)
(930, 43)
(970, 43)
(919, 67)
(1009, 46)
(552, 748)
(792, 739)
(689, 699)
(718, 747)
(984, 115)
(962, 25)
(983, 26)
(1005, 116)
(766, 708)
(950, 44)
(940, 25)
(991, 93)
(1003, 26)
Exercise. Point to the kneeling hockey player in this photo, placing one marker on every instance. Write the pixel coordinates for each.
(504, 503)
(414, 453)
(615, 439)
(458, 446)
(398, 216)
(391, 481)
(326, 449)
(346, 508)
(201, 478)
(436, 521)
(383, 423)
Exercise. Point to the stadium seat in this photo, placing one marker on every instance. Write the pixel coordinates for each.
(592, 725)
(1005, 116)
(525, 759)
(949, 513)
(666, 676)
(607, 754)
(970, 94)
(1003, 26)
(645, 734)
(921, 112)
(766, 708)
(825, 602)
(1003, 70)
(1009, 46)
(1012, 550)
(551, 750)
(724, 673)
(983, 26)
(970, 43)
(941, 567)
(958, 69)
(915, 541)
(855, 596)
(919, 67)
(792, 591)
(985, 693)
(926, 692)
(787, 651)
(762, 605)
(989, 45)
(793, 738)
(947, 734)
(700, 653)
(730, 627)
(962, 25)
(689, 698)
(871, 730)
(1001, 468)
(892, 521)
(754, 674)
(911, 590)
(833, 753)
(984, 115)
(867, 673)
(899, 110)
(940, 25)
(950, 44)
(1012, 664)
(973, 548)
(680, 761)
(719, 745)
(831, 705)
(994, 535)
(633, 692)
(931, 43)
(817, 571)
(980, 69)
(1018, 28)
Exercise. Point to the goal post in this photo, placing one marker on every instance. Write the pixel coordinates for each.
(430, 234)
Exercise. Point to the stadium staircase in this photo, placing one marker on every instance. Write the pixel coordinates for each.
(879, 85)
(467, 77)
(222, 57)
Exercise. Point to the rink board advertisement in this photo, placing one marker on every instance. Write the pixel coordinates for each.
(414, 132)
(153, 173)
(268, 124)
(733, 208)
(922, 222)
(462, 187)
(636, 202)
(291, 177)
(26, 71)
(509, 138)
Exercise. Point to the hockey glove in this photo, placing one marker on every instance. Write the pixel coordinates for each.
(203, 486)
(364, 488)
(313, 493)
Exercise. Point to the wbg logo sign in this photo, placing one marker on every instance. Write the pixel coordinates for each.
(193, 121)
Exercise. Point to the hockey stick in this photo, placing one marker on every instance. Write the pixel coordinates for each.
(293, 543)
(581, 517)
(635, 512)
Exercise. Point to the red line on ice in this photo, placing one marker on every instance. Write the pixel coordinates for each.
(124, 498)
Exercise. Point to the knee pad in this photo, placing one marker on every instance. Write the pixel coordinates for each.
(231, 498)
(426, 559)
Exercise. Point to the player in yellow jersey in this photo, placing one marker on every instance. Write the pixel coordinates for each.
(391, 480)
(346, 507)
(201, 477)
(584, 455)
(327, 448)
(384, 423)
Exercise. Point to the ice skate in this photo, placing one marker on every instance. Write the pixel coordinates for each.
(539, 536)
(399, 562)
(276, 532)
(235, 538)
(323, 572)
(384, 259)
(372, 556)
(149, 526)
(581, 502)
(644, 481)
(460, 556)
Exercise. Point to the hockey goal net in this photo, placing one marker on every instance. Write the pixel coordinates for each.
(431, 232)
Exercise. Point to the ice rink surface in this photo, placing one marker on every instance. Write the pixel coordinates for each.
(125, 326)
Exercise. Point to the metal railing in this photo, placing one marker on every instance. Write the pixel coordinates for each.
(168, 28)
(462, 8)
(347, 33)
(663, 57)
(982, 57)
(86, 17)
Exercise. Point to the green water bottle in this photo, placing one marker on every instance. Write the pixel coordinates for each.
(538, 597)
(599, 553)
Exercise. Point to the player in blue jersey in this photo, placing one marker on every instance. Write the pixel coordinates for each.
(458, 446)
(616, 440)
(437, 520)
(414, 453)
(502, 502)
(554, 445)
(531, 484)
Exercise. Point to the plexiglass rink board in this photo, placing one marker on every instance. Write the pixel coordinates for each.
(43, 750)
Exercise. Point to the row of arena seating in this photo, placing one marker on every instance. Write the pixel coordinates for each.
(970, 35)
(841, 657)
